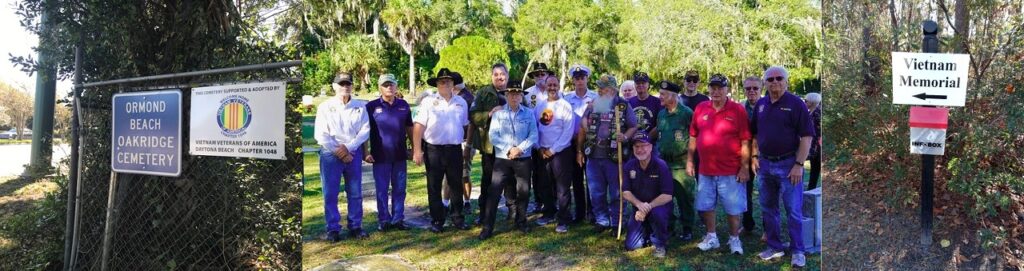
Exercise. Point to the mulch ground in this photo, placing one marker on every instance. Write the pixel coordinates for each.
(865, 229)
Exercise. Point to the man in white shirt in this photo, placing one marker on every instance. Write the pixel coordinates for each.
(439, 131)
(580, 97)
(538, 92)
(341, 128)
(556, 124)
(542, 194)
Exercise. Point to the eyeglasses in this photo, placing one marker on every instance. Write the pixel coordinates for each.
(773, 79)
(692, 80)
(751, 88)
(344, 84)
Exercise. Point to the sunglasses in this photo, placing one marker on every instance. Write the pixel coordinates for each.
(751, 88)
(692, 80)
(773, 79)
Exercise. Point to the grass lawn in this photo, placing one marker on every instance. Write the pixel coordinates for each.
(6, 141)
(581, 248)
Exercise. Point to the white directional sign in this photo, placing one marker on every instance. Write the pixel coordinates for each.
(928, 130)
(929, 79)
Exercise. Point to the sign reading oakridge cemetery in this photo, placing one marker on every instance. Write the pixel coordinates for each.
(244, 120)
(929, 79)
(146, 133)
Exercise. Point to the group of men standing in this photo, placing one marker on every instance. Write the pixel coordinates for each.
(592, 150)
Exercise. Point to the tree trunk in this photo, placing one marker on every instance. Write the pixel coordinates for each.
(866, 25)
(412, 73)
(895, 26)
(962, 25)
(563, 63)
(376, 27)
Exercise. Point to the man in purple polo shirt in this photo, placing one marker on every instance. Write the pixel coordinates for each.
(645, 106)
(648, 187)
(784, 130)
(390, 126)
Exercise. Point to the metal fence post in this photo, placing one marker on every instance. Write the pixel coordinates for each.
(108, 230)
(73, 173)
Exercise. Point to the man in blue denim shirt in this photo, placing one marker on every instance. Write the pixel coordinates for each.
(513, 133)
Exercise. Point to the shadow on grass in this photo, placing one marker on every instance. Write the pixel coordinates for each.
(12, 185)
(542, 248)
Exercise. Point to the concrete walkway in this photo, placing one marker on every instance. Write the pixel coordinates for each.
(13, 158)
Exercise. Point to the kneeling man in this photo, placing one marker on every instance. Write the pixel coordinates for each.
(648, 187)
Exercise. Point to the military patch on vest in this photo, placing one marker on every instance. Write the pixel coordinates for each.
(378, 110)
(632, 174)
(679, 134)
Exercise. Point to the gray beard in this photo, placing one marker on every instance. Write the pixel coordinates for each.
(603, 104)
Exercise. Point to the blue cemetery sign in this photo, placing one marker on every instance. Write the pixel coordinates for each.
(146, 133)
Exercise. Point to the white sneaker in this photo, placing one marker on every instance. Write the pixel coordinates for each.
(710, 242)
(769, 254)
(735, 245)
(799, 260)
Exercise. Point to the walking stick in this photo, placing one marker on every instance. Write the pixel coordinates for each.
(618, 153)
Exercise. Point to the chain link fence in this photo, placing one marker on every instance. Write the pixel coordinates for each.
(221, 213)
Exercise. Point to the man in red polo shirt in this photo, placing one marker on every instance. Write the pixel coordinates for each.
(719, 133)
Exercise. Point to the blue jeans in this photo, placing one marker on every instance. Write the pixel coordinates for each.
(773, 182)
(603, 181)
(654, 228)
(391, 174)
(331, 172)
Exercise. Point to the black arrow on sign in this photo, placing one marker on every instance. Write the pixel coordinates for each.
(924, 96)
